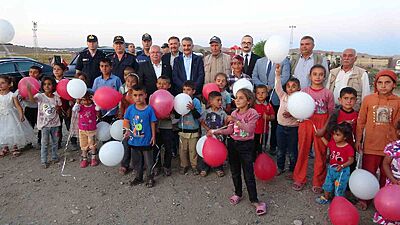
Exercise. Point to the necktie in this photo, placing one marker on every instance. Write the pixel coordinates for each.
(246, 63)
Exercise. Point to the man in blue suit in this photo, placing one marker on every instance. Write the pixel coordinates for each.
(264, 73)
(188, 66)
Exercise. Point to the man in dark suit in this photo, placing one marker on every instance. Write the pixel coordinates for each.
(249, 57)
(151, 70)
(173, 44)
(188, 66)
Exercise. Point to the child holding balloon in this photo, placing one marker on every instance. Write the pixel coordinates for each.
(287, 129)
(391, 166)
(15, 131)
(324, 106)
(87, 115)
(48, 120)
(341, 157)
(241, 153)
(221, 79)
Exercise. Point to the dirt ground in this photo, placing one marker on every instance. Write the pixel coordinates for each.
(30, 194)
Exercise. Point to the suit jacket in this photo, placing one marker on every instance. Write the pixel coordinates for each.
(262, 76)
(148, 77)
(252, 63)
(166, 59)
(197, 73)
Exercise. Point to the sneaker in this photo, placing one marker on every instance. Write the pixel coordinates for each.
(55, 161)
(135, 182)
(45, 165)
(195, 172)
(322, 200)
(84, 163)
(167, 172)
(94, 162)
(183, 170)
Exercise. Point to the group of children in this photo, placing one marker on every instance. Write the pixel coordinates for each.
(242, 124)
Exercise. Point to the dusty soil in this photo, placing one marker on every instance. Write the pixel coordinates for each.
(30, 194)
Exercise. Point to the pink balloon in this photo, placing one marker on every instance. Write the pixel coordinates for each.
(264, 167)
(387, 202)
(22, 86)
(62, 89)
(107, 97)
(208, 88)
(214, 152)
(162, 102)
(341, 212)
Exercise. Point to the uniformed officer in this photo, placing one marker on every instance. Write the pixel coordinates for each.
(89, 60)
(147, 42)
(121, 59)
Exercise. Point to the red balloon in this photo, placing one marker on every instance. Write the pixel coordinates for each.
(62, 89)
(107, 97)
(387, 202)
(22, 86)
(208, 88)
(265, 168)
(162, 102)
(214, 152)
(342, 212)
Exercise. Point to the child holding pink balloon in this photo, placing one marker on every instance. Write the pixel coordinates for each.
(48, 120)
(15, 131)
(87, 115)
(241, 153)
(391, 166)
(324, 106)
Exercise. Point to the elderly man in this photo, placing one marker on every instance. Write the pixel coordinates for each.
(216, 62)
(121, 59)
(89, 60)
(249, 57)
(144, 55)
(301, 64)
(349, 75)
(151, 70)
(188, 66)
(173, 44)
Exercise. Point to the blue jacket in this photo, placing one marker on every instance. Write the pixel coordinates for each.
(197, 73)
(260, 75)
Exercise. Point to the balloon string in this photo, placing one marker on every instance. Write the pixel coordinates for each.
(359, 158)
(73, 121)
(109, 111)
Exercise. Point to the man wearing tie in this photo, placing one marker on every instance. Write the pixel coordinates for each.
(264, 73)
(249, 57)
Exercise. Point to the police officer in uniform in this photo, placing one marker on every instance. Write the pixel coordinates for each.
(121, 59)
(89, 60)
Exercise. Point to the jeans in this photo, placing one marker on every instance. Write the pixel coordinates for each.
(241, 155)
(50, 137)
(164, 137)
(287, 138)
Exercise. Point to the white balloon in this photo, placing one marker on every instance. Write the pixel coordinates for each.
(363, 184)
(7, 31)
(76, 88)
(199, 145)
(111, 153)
(301, 105)
(116, 130)
(276, 48)
(103, 131)
(180, 103)
(242, 83)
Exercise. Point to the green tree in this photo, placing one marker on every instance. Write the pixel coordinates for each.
(259, 48)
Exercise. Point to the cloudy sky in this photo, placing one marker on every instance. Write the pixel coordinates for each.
(370, 26)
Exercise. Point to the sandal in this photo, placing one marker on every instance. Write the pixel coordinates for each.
(203, 173)
(122, 170)
(220, 173)
(322, 200)
(150, 183)
(135, 182)
(297, 186)
(235, 199)
(261, 208)
(15, 152)
(289, 176)
(316, 190)
(4, 152)
(362, 205)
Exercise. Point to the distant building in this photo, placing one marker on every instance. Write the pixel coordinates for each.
(373, 62)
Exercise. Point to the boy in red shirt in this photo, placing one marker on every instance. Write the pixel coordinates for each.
(266, 113)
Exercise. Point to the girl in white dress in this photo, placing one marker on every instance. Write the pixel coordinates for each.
(15, 131)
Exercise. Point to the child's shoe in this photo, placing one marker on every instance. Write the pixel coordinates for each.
(94, 162)
(322, 200)
(84, 163)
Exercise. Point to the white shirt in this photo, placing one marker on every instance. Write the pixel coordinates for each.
(157, 69)
(343, 78)
(187, 61)
(171, 61)
(248, 57)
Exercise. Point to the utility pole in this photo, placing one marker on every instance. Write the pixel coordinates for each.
(292, 27)
(35, 39)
